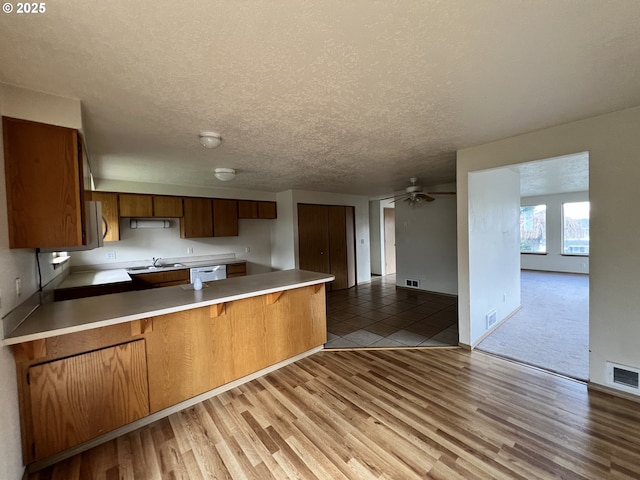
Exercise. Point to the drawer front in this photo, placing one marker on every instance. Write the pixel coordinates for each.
(236, 268)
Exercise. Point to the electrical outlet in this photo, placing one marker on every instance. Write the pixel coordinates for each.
(504, 297)
(189, 250)
(18, 286)
(111, 255)
(247, 250)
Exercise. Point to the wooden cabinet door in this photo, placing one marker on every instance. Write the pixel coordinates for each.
(313, 238)
(236, 270)
(167, 278)
(267, 210)
(197, 221)
(247, 209)
(225, 218)
(81, 397)
(110, 213)
(165, 206)
(44, 181)
(136, 205)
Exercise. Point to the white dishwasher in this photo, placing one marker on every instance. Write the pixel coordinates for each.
(208, 274)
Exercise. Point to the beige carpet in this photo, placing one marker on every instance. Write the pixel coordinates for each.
(551, 330)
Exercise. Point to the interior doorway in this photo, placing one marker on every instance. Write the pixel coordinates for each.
(547, 324)
(389, 220)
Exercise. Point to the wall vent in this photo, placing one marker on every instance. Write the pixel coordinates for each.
(492, 318)
(623, 377)
(412, 283)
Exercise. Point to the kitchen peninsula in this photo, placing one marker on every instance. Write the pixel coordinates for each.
(89, 366)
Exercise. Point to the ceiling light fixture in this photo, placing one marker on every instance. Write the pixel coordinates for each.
(210, 139)
(225, 174)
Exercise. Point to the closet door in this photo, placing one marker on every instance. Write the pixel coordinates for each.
(313, 238)
(338, 247)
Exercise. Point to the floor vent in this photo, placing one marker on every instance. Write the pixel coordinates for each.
(492, 318)
(623, 377)
(412, 283)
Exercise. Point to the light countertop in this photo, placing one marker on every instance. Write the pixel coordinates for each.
(94, 278)
(59, 318)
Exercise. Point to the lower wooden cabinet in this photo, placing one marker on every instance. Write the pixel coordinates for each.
(236, 270)
(193, 351)
(78, 386)
(81, 397)
(142, 281)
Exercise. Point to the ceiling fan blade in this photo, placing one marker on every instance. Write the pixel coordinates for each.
(394, 196)
(441, 193)
(424, 196)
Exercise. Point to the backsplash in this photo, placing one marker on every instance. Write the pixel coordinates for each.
(139, 246)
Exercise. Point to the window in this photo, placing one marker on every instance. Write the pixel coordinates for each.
(533, 229)
(575, 231)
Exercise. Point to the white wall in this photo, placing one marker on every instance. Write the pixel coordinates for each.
(554, 261)
(143, 244)
(36, 106)
(284, 249)
(613, 144)
(494, 247)
(287, 229)
(426, 243)
(376, 237)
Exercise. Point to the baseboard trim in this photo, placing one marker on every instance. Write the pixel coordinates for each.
(596, 387)
(466, 347)
(40, 464)
(489, 332)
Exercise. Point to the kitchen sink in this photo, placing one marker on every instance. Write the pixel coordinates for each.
(159, 267)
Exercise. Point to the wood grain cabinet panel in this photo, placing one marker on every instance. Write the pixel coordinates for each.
(225, 218)
(84, 396)
(110, 212)
(167, 278)
(135, 205)
(197, 221)
(247, 209)
(236, 270)
(267, 210)
(192, 352)
(44, 181)
(166, 206)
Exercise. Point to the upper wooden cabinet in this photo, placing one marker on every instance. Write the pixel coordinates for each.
(225, 218)
(165, 206)
(110, 224)
(135, 205)
(256, 209)
(44, 180)
(197, 221)
(267, 210)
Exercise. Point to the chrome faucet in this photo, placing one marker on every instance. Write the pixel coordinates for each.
(156, 260)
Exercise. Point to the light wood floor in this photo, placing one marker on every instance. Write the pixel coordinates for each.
(392, 414)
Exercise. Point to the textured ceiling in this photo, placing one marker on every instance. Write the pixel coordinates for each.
(569, 173)
(352, 97)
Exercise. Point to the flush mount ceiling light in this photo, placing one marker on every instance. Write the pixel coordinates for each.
(210, 139)
(225, 174)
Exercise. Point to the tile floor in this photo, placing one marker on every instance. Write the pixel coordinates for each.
(377, 314)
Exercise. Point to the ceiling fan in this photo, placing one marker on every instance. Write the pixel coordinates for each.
(414, 194)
